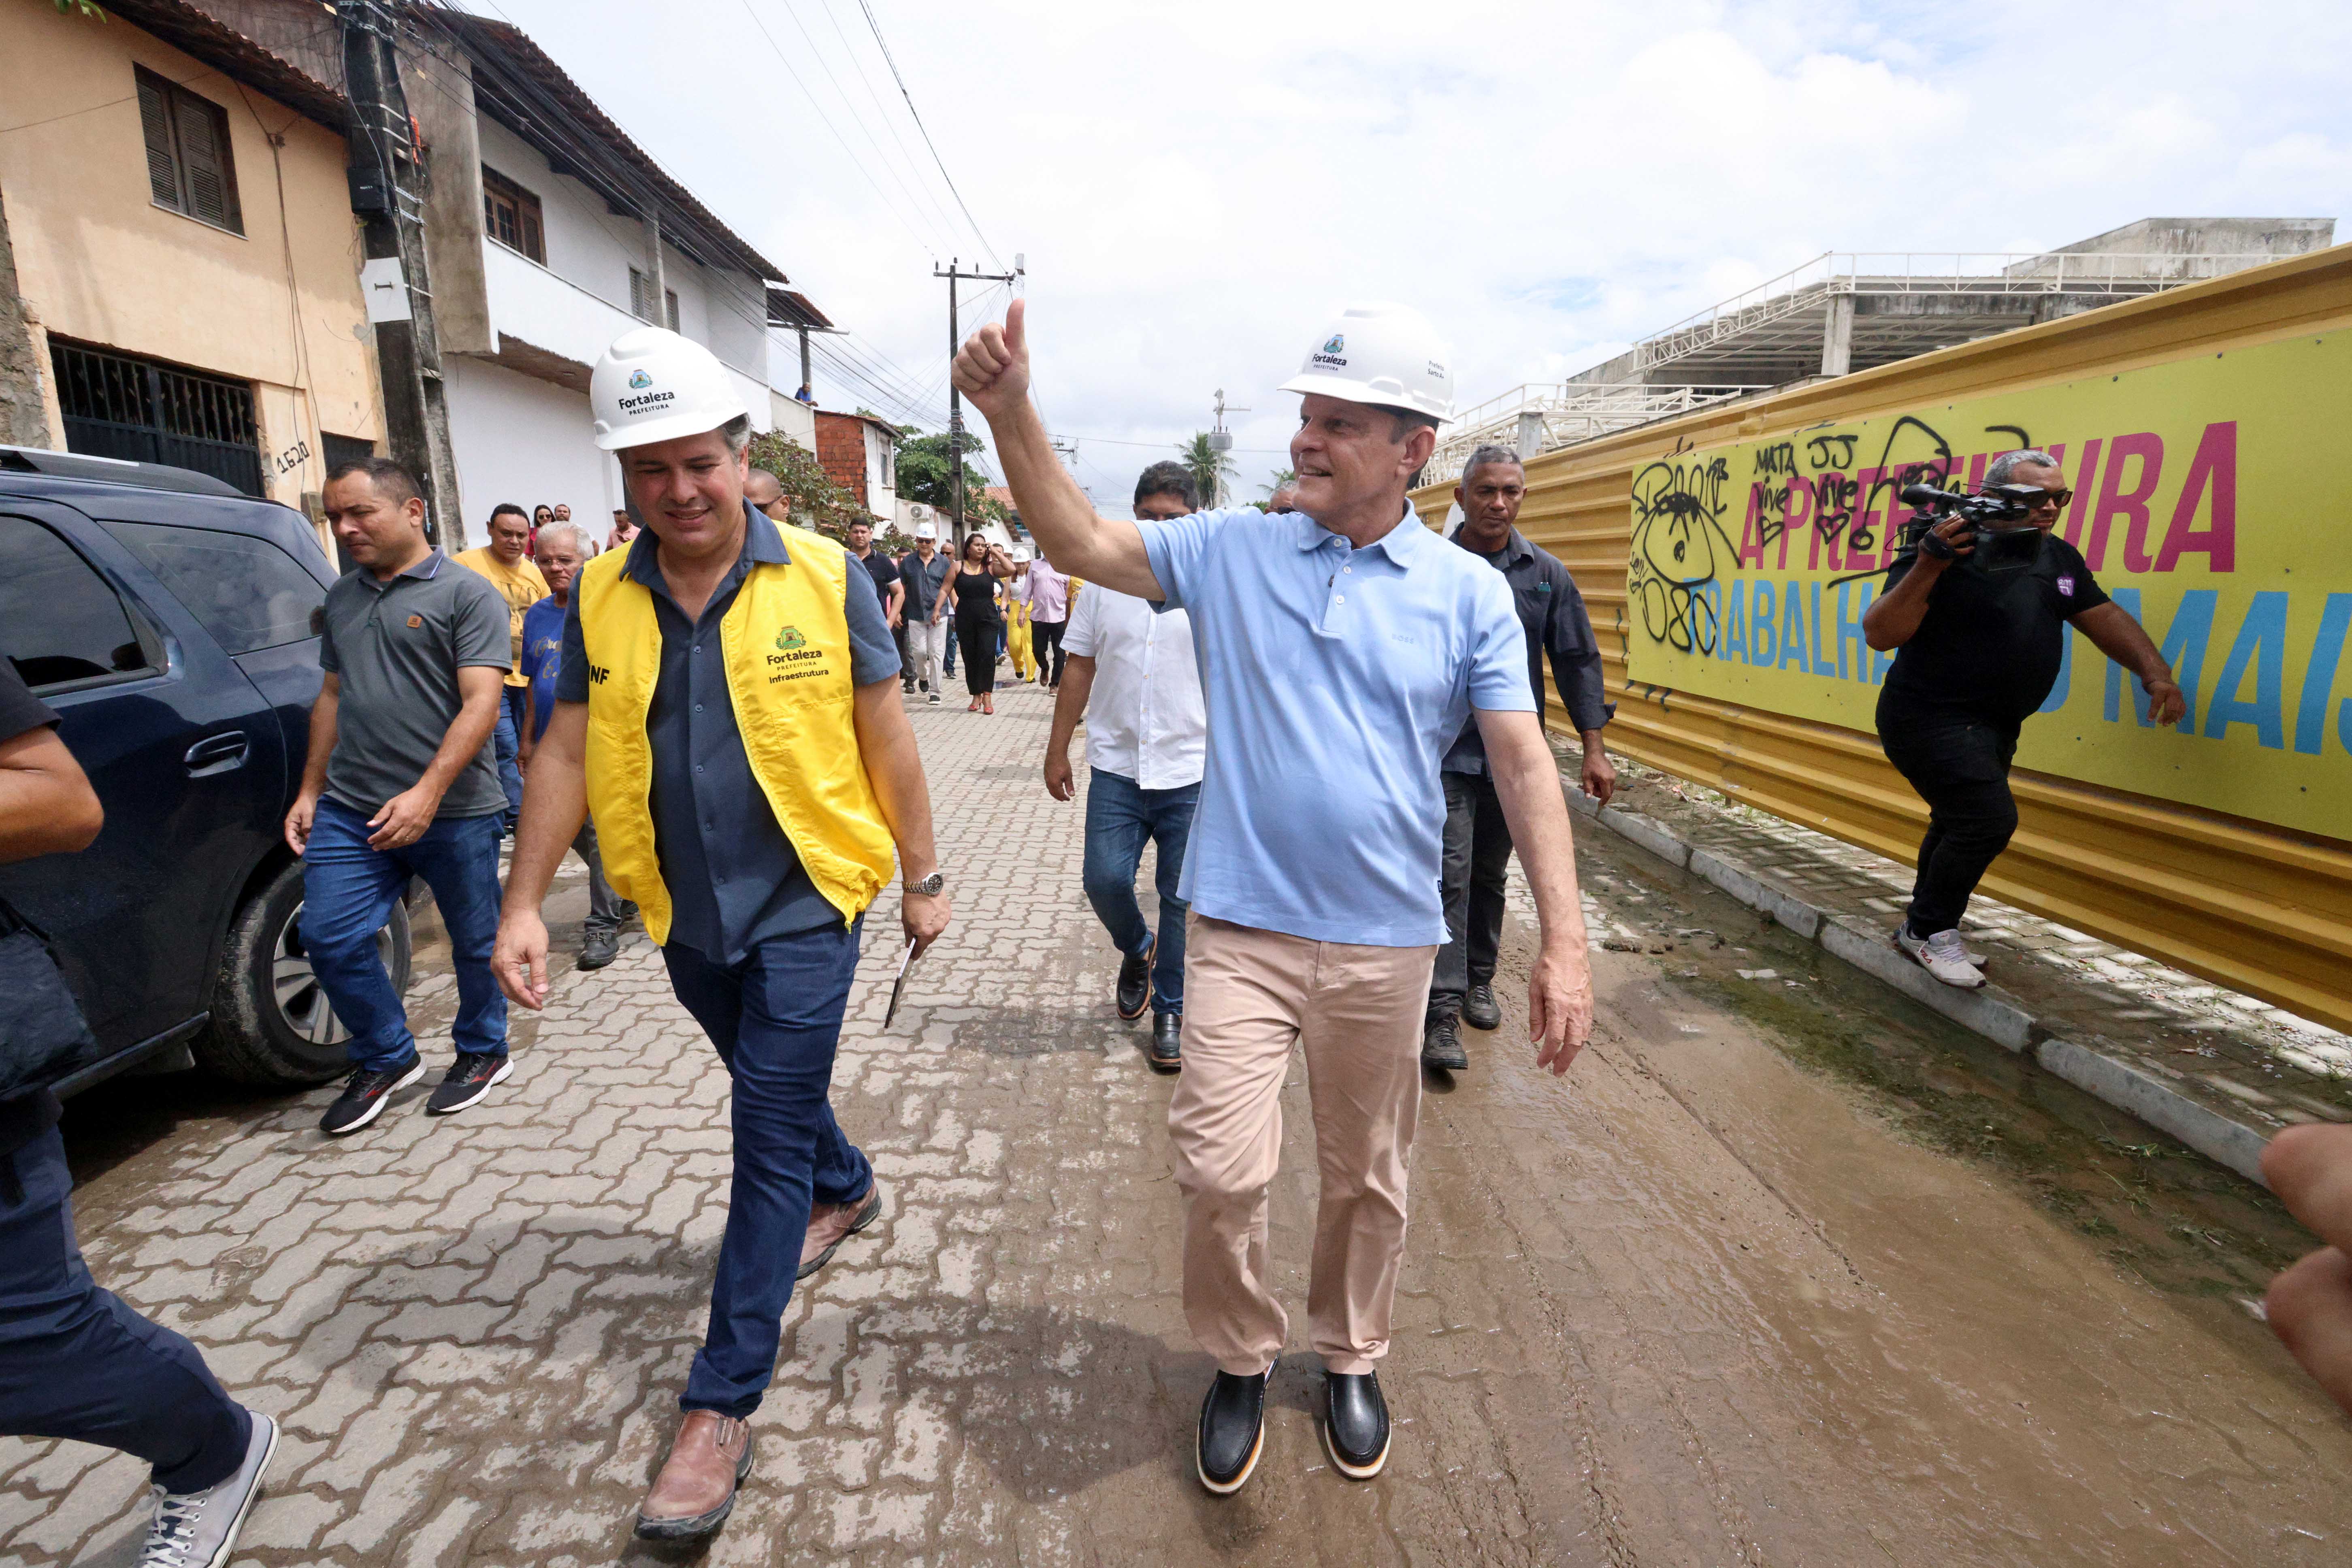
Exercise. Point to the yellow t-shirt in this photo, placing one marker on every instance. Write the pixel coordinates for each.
(520, 584)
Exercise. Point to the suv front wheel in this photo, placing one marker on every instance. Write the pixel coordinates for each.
(271, 1024)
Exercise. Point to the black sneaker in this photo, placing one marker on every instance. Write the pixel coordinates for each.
(1135, 981)
(1233, 1431)
(1355, 1423)
(469, 1078)
(364, 1094)
(1480, 1010)
(599, 948)
(1441, 1045)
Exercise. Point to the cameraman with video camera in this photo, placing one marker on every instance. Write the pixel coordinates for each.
(1977, 603)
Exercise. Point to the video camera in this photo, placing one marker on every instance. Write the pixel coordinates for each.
(1999, 548)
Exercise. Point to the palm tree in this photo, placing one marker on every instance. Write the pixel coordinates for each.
(1281, 477)
(1207, 466)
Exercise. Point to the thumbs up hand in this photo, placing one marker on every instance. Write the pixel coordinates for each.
(993, 367)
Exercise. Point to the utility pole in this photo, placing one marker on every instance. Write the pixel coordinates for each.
(387, 180)
(1221, 441)
(955, 398)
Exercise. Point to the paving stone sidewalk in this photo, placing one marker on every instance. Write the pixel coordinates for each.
(2254, 1063)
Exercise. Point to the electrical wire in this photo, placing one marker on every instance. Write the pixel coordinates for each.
(884, 45)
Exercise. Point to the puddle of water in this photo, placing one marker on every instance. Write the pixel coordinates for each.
(2161, 1212)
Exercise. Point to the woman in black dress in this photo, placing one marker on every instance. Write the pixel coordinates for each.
(971, 588)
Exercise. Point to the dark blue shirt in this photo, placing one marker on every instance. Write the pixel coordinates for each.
(734, 879)
(1552, 614)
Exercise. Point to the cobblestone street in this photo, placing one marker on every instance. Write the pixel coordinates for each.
(1704, 1302)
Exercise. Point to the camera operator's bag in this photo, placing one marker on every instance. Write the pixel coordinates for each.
(43, 1034)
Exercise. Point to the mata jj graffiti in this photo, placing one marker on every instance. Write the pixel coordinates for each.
(2213, 499)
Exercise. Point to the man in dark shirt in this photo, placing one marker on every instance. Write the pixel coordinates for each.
(887, 586)
(1477, 846)
(75, 1362)
(725, 679)
(1979, 617)
(400, 784)
(922, 570)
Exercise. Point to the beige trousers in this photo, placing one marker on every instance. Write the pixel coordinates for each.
(1248, 995)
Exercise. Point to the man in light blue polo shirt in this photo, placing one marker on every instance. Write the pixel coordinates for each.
(1342, 647)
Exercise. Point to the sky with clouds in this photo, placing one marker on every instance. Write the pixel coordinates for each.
(1197, 187)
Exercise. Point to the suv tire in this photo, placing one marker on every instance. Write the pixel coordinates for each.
(271, 1024)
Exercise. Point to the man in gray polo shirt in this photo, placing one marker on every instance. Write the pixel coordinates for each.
(399, 784)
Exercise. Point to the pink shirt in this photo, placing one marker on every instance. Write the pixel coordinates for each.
(1049, 593)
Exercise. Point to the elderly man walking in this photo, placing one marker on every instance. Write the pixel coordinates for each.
(560, 551)
(726, 705)
(922, 571)
(505, 562)
(1341, 651)
(1478, 836)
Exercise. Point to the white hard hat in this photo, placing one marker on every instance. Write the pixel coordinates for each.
(925, 531)
(655, 385)
(1021, 552)
(1383, 354)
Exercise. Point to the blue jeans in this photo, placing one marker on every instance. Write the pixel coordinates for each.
(775, 1018)
(1121, 815)
(507, 742)
(347, 891)
(76, 1363)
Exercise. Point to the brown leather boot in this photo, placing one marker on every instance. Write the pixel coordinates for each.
(695, 1489)
(830, 1225)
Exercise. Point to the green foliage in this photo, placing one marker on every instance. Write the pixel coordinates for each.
(1281, 477)
(927, 473)
(81, 7)
(1206, 465)
(817, 502)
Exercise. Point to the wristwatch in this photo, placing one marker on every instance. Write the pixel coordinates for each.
(930, 886)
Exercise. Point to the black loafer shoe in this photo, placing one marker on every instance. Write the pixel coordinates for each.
(599, 948)
(1480, 1010)
(1441, 1046)
(1135, 981)
(1168, 1042)
(1233, 1430)
(1355, 1423)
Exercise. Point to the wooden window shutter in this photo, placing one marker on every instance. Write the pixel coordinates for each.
(156, 123)
(669, 299)
(204, 150)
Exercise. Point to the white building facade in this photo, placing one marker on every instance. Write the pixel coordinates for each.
(542, 233)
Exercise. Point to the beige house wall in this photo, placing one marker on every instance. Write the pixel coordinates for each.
(278, 306)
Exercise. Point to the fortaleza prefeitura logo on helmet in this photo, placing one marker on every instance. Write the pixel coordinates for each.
(650, 403)
(1332, 354)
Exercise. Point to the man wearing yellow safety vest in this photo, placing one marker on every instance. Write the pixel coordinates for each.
(728, 708)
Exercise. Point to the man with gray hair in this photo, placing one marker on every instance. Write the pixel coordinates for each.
(1978, 616)
(1477, 850)
(560, 551)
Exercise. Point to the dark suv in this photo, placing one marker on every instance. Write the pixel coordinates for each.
(173, 624)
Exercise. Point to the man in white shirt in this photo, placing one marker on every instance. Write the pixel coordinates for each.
(1132, 674)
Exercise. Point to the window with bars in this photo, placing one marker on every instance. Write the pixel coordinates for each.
(145, 411)
(641, 301)
(189, 166)
(511, 216)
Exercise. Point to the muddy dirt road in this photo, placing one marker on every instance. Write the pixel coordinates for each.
(1787, 1271)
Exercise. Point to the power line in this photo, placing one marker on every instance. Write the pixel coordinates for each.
(881, 43)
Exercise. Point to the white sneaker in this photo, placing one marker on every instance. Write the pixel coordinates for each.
(1940, 955)
(198, 1530)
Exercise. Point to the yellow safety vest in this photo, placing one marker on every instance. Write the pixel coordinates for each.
(785, 641)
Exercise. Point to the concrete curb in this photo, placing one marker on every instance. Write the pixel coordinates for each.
(1997, 1016)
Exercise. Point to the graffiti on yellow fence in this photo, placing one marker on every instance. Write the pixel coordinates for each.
(2213, 499)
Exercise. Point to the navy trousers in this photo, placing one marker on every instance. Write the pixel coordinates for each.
(775, 1018)
(76, 1363)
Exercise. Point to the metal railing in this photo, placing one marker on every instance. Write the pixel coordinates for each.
(1571, 411)
(1806, 286)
